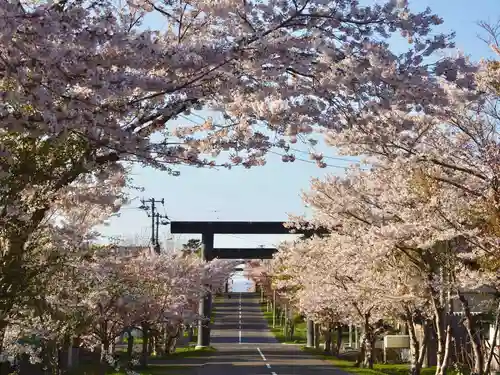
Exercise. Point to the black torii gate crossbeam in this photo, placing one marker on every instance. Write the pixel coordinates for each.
(239, 227)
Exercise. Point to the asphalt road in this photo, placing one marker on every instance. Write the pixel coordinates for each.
(245, 346)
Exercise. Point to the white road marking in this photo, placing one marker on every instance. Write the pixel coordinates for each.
(239, 332)
(273, 373)
(268, 365)
(262, 355)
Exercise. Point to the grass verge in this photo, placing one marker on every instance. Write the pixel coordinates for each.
(157, 370)
(213, 313)
(378, 369)
(187, 352)
(158, 365)
(137, 340)
(94, 369)
(299, 335)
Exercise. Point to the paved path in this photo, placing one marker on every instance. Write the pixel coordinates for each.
(245, 346)
(239, 320)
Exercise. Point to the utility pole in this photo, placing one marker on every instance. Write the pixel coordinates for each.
(151, 212)
(158, 222)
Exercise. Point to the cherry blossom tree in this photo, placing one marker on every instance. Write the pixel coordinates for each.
(61, 228)
(39, 276)
(422, 227)
(85, 87)
(430, 197)
(103, 296)
(85, 82)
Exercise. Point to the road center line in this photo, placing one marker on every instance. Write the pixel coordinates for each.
(273, 373)
(239, 332)
(262, 355)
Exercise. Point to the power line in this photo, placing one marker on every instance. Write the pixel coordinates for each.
(324, 157)
(290, 158)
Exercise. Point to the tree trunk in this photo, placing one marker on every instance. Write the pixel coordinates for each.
(104, 349)
(338, 344)
(328, 340)
(112, 347)
(145, 342)
(130, 345)
(448, 332)
(171, 340)
(61, 366)
(426, 327)
(316, 336)
(443, 333)
(50, 358)
(415, 349)
(475, 341)
(447, 347)
(369, 349)
(443, 308)
(368, 344)
(4, 366)
(493, 340)
(285, 325)
(151, 344)
(159, 348)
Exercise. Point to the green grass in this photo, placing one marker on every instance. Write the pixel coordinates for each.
(188, 352)
(152, 370)
(94, 369)
(299, 336)
(195, 336)
(155, 367)
(137, 340)
(378, 369)
(159, 370)
(212, 315)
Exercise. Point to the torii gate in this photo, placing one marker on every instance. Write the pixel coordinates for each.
(208, 229)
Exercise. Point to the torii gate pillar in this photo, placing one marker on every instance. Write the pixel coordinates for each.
(205, 304)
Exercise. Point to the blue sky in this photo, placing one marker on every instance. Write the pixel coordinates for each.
(266, 193)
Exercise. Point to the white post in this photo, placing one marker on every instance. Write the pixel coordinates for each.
(356, 341)
(274, 308)
(350, 335)
(285, 315)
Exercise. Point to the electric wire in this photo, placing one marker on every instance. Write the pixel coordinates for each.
(293, 149)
